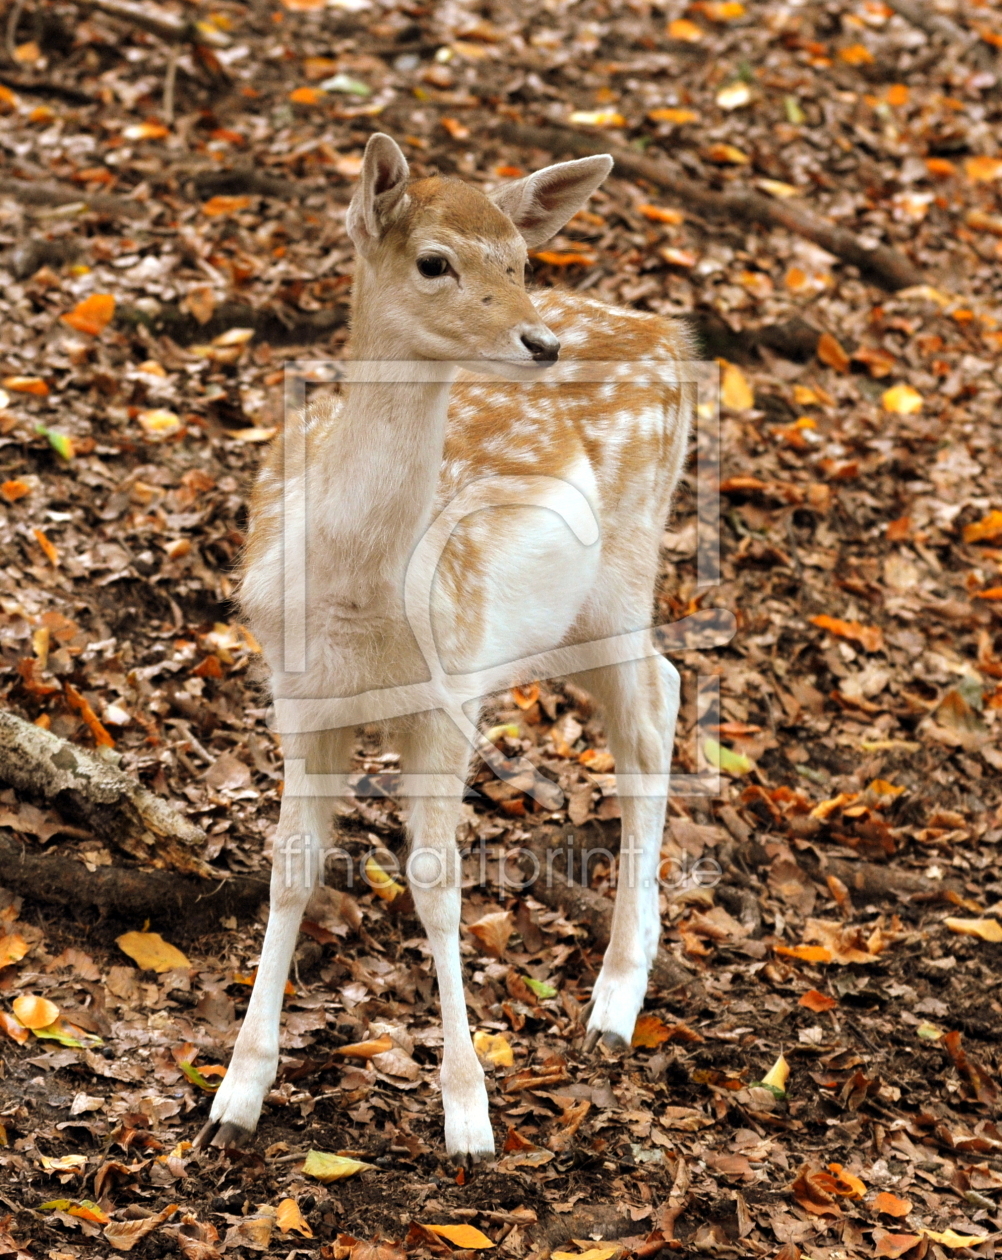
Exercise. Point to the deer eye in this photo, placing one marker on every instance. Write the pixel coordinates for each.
(432, 265)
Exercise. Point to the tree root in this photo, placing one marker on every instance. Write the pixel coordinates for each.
(93, 792)
(886, 266)
(185, 906)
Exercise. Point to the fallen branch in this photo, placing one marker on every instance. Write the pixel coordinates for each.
(35, 87)
(185, 905)
(30, 193)
(93, 792)
(272, 324)
(884, 265)
(543, 857)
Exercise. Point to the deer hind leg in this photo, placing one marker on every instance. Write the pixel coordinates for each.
(434, 746)
(640, 700)
(300, 846)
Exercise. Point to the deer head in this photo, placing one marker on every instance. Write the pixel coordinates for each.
(441, 264)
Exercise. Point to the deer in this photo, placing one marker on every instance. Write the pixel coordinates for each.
(445, 394)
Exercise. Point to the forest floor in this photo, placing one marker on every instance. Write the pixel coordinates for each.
(855, 927)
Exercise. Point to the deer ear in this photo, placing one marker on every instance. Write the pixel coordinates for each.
(541, 204)
(381, 192)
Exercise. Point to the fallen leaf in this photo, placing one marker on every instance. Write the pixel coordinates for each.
(13, 948)
(465, 1236)
(593, 1253)
(890, 1205)
(982, 170)
(727, 155)
(159, 424)
(217, 206)
(63, 1163)
(493, 931)
(677, 116)
(989, 526)
(326, 1167)
(734, 95)
(893, 1246)
(659, 214)
(870, 638)
(123, 1235)
(456, 129)
(382, 884)
(92, 315)
(685, 31)
(726, 759)
(366, 1049)
(817, 1002)
(25, 385)
(13, 1028)
(806, 953)
(950, 1238)
(856, 55)
(200, 1077)
(777, 1075)
(146, 131)
(650, 1031)
(151, 951)
(564, 258)
(15, 489)
(985, 929)
(678, 257)
(597, 118)
(902, 400)
(288, 1217)
(525, 697)
(34, 1011)
(735, 392)
(494, 1048)
(829, 351)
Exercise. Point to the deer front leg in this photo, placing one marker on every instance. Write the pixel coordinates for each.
(641, 704)
(434, 877)
(303, 827)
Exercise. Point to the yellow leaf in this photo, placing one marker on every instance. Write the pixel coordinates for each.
(12, 949)
(881, 787)
(726, 759)
(989, 526)
(684, 30)
(986, 929)
(92, 315)
(902, 400)
(776, 188)
(777, 1075)
(159, 424)
(367, 1049)
(382, 884)
(494, 1048)
(982, 170)
(151, 951)
(950, 1238)
(735, 392)
(734, 95)
(327, 1167)
(35, 1012)
(722, 10)
(27, 54)
(234, 337)
(594, 1253)
(63, 1163)
(252, 435)
(597, 118)
(465, 1236)
(289, 1217)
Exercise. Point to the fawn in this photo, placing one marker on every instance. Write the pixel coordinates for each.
(440, 283)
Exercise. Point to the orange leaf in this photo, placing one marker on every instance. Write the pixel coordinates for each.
(890, 1205)
(11, 491)
(893, 1246)
(727, 155)
(25, 385)
(225, 205)
(806, 953)
(830, 351)
(456, 129)
(559, 258)
(898, 94)
(650, 1031)
(940, 168)
(735, 392)
(48, 546)
(870, 638)
(92, 315)
(817, 1002)
(678, 257)
(366, 1049)
(34, 1011)
(13, 1028)
(993, 592)
(146, 131)
(989, 526)
(494, 931)
(684, 30)
(78, 702)
(856, 55)
(658, 214)
(846, 1183)
(525, 697)
(677, 116)
(982, 170)
(898, 531)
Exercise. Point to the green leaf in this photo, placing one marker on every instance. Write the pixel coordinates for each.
(60, 443)
(794, 114)
(342, 82)
(541, 988)
(726, 759)
(196, 1078)
(327, 1167)
(55, 1033)
(929, 1032)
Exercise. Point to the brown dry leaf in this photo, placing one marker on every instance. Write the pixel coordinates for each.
(151, 951)
(195, 1239)
(123, 1235)
(829, 351)
(890, 1205)
(494, 931)
(893, 1246)
(201, 302)
(816, 1190)
(971, 1070)
(255, 1232)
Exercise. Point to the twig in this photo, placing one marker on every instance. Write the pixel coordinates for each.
(13, 21)
(886, 266)
(40, 88)
(170, 76)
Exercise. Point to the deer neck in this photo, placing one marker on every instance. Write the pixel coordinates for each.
(381, 465)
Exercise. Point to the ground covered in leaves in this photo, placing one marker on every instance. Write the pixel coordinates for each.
(157, 272)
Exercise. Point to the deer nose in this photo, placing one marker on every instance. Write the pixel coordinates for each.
(542, 345)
